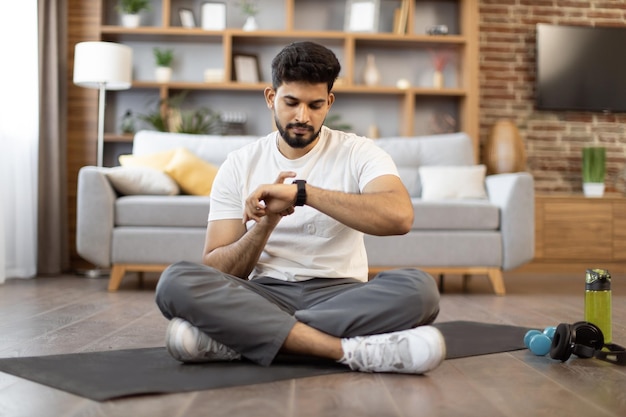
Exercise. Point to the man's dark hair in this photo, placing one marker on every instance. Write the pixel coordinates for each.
(307, 62)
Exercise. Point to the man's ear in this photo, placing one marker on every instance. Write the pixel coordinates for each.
(331, 99)
(270, 95)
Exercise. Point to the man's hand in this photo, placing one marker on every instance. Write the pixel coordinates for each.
(274, 200)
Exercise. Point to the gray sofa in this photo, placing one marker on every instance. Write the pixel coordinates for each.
(452, 236)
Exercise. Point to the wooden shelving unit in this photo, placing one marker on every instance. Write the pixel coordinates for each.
(400, 56)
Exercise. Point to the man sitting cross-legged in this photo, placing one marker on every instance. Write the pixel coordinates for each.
(285, 267)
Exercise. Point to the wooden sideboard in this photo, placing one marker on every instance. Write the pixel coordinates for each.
(574, 232)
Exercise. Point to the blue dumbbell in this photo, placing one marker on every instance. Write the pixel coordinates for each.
(539, 342)
(549, 331)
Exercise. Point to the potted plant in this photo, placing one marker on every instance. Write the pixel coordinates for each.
(333, 121)
(250, 10)
(164, 59)
(169, 116)
(594, 171)
(129, 11)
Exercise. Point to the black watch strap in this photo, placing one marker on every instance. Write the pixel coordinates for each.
(301, 194)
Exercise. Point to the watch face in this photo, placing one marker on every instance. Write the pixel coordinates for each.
(301, 194)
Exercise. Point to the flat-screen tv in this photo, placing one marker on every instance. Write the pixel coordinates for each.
(581, 68)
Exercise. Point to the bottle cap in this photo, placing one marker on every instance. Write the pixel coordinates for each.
(597, 279)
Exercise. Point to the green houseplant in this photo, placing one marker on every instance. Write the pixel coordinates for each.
(163, 59)
(594, 171)
(130, 9)
(250, 9)
(333, 121)
(133, 6)
(169, 116)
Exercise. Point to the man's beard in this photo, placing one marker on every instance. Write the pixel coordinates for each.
(297, 141)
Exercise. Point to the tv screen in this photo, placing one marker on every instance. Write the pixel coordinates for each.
(581, 68)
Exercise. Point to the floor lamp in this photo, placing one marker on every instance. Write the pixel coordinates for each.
(104, 66)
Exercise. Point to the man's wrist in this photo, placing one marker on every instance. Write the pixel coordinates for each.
(300, 193)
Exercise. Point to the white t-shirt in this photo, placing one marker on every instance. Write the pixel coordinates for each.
(307, 244)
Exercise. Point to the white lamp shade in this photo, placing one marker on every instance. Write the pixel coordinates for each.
(107, 63)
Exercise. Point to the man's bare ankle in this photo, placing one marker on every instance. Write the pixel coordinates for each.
(306, 340)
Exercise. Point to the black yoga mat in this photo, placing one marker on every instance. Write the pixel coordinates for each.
(113, 374)
(467, 338)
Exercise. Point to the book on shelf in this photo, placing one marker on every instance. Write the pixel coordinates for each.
(400, 18)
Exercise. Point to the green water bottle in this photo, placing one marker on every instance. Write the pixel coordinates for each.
(598, 301)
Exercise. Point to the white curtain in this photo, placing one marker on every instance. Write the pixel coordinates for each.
(19, 131)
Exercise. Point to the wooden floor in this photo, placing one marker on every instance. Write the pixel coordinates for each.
(55, 315)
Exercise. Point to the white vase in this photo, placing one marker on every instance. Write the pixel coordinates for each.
(438, 79)
(131, 20)
(593, 189)
(371, 75)
(163, 74)
(250, 24)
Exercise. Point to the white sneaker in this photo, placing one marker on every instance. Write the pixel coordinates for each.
(413, 351)
(187, 343)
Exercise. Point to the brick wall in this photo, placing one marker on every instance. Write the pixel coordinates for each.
(553, 140)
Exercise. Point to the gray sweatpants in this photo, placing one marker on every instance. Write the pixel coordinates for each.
(255, 317)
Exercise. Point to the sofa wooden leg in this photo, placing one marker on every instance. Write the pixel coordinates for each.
(115, 279)
(497, 282)
(465, 282)
(441, 283)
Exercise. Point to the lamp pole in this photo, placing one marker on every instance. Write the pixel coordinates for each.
(101, 104)
(102, 66)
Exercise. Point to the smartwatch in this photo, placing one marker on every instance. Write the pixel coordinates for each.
(301, 194)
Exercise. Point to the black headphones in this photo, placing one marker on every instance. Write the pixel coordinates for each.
(584, 340)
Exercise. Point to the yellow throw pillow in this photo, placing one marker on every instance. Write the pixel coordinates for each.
(157, 160)
(194, 175)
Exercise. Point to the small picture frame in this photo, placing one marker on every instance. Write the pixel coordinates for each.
(362, 15)
(186, 18)
(213, 15)
(246, 68)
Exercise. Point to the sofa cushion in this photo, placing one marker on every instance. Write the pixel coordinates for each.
(157, 245)
(453, 182)
(453, 248)
(156, 160)
(162, 211)
(409, 153)
(211, 148)
(194, 175)
(141, 180)
(455, 215)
